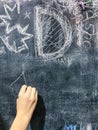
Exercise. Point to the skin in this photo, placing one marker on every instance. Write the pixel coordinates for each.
(25, 106)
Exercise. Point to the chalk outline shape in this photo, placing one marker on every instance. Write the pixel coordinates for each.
(66, 27)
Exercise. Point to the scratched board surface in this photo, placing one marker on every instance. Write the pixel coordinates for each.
(53, 45)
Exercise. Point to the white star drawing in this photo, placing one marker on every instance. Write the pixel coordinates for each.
(14, 48)
(21, 30)
(27, 15)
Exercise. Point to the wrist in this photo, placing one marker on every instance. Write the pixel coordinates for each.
(22, 121)
(19, 123)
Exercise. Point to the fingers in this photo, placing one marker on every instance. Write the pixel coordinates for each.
(34, 94)
(22, 90)
(28, 91)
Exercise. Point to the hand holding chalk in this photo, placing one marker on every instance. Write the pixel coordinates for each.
(25, 106)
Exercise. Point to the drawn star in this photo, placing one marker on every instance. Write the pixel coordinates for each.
(27, 15)
(16, 46)
(5, 41)
(6, 20)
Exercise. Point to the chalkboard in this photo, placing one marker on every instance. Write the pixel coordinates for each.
(53, 46)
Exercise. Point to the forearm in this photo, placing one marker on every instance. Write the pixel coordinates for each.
(19, 123)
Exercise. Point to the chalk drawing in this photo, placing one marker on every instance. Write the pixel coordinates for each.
(27, 15)
(55, 40)
(13, 46)
(64, 31)
(70, 127)
(18, 6)
(22, 74)
(7, 8)
(45, 46)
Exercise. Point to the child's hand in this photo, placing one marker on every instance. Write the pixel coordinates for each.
(26, 102)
